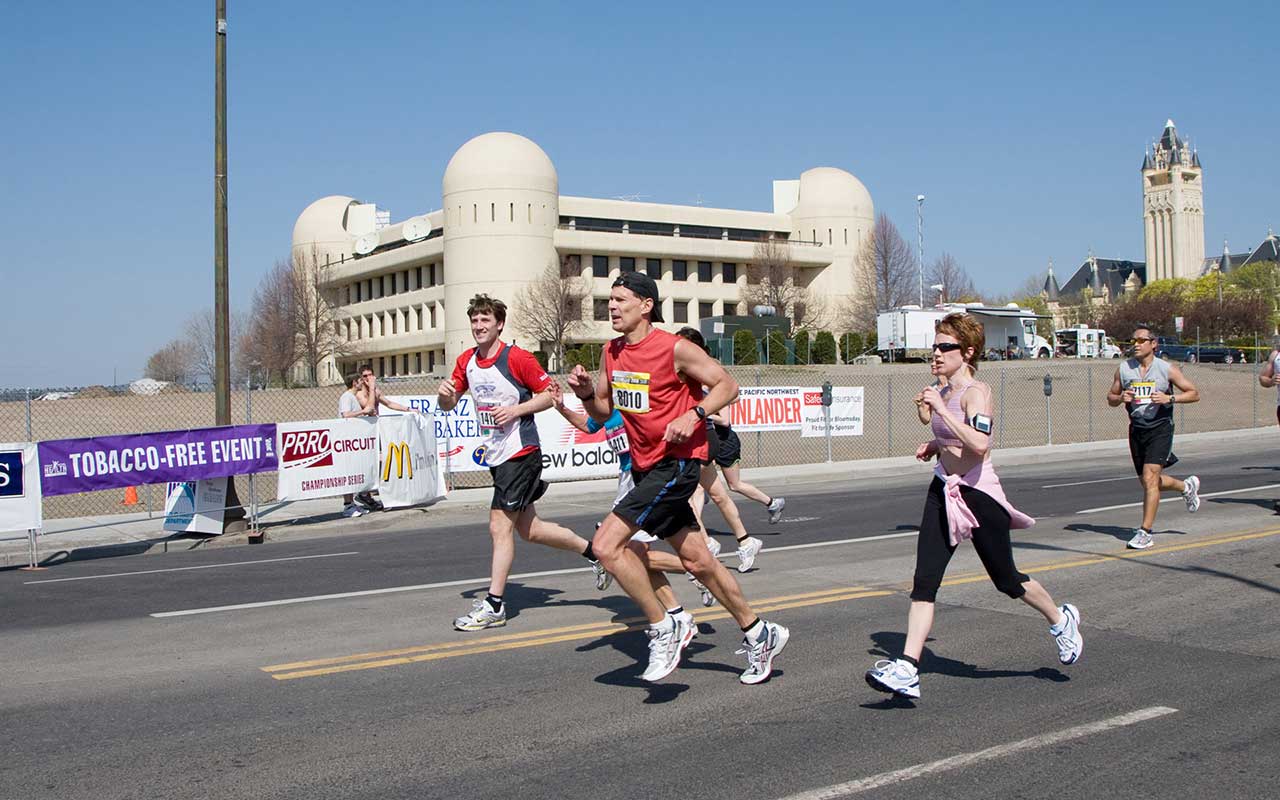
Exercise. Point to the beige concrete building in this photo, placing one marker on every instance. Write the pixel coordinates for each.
(1173, 208)
(401, 290)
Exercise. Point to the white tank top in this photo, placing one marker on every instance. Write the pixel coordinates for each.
(1275, 374)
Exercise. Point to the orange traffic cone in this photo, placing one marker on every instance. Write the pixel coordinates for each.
(130, 496)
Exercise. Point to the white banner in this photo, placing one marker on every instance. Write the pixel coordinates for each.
(195, 506)
(458, 436)
(325, 458)
(410, 473)
(570, 453)
(767, 408)
(20, 493)
(846, 412)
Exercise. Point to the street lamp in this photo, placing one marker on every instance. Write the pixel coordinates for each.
(920, 241)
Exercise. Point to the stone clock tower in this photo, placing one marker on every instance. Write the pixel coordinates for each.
(1173, 208)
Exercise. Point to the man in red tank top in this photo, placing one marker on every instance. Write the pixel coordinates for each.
(654, 378)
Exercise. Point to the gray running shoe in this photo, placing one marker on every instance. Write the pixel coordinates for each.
(1070, 643)
(665, 645)
(775, 509)
(1191, 493)
(747, 552)
(895, 677)
(481, 617)
(352, 510)
(1141, 540)
(603, 578)
(760, 654)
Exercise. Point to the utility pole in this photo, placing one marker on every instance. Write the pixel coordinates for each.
(920, 241)
(221, 310)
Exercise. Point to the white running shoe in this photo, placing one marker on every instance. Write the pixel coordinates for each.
(1141, 540)
(708, 599)
(481, 617)
(691, 627)
(895, 677)
(775, 509)
(713, 546)
(352, 510)
(603, 578)
(665, 644)
(760, 654)
(1067, 635)
(747, 552)
(1191, 493)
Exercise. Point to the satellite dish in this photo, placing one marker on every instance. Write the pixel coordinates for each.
(366, 244)
(415, 228)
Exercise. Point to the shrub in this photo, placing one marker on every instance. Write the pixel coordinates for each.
(802, 346)
(851, 346)
(744, 347)
(824, 348)
(776, 347)
(541, 358)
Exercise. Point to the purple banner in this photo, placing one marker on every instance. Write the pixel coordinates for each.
(112, 462)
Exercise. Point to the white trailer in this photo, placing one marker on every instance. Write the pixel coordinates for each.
(907, 332)
(1084, 342)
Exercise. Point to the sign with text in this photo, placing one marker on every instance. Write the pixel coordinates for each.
(195, 506)
(410, 474)
(846, 412)
(767, 408)
(323, 458)
(114, 462)
(459, 440)
(20, 487)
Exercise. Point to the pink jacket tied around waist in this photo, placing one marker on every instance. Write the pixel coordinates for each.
(960, 519)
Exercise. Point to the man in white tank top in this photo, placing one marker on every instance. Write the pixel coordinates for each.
(1149, 387)
(1270, 376)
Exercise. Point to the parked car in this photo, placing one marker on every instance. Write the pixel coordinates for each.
(1213, 352)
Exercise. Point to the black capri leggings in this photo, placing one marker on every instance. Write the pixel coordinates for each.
(990, 539)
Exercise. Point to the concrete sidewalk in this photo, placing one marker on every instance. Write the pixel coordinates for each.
(77, 538)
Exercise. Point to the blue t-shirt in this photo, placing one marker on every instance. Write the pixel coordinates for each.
(615, 437)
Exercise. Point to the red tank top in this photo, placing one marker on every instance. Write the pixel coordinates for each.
(646, 389)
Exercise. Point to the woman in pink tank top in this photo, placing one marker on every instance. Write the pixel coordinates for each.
(965, 502)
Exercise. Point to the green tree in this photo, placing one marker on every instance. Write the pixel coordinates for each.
(802, 346)
(1037, 303)
(776, 346)
(824, 348)
(744, 347)
(851, 346)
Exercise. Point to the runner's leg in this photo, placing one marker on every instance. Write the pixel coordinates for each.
(698, 561)
(733, 476)
(610, 546)
(1151, 483)
(534, 529)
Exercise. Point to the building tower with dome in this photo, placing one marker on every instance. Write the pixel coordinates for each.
(401, 290)
(1173, 208)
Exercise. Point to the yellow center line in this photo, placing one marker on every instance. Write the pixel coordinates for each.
(536, 638)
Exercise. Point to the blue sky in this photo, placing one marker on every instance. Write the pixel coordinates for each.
(1024, 126)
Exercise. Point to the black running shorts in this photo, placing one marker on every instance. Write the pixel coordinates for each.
(517, 482)
(713, 443)
(730, 450)
(659, 503)
(1152, 445)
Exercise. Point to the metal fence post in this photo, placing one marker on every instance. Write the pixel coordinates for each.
(1048, 414)
(248, 419)
(759, 435)
(889, 419)
(1089, 402)
(1003, 420)
(28, 413)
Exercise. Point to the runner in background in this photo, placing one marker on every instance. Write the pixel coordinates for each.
(1270, 376)
(965, 501)
(709, 484)
(655, 379)
(509, 387)
(1149, 387)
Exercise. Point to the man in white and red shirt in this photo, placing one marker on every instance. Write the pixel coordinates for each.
(655, 379)
(509, 387)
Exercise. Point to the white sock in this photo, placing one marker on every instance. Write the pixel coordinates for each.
(755, 632)
(1061, 624)
(667, 624)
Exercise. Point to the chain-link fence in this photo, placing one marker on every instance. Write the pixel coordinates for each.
(1077, 411)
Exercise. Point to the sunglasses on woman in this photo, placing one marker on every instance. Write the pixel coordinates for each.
(947, 347)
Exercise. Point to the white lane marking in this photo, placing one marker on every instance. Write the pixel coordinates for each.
(1179, 497)
(968, 759)
(189, 612)
(184, 569)
(1083, 483)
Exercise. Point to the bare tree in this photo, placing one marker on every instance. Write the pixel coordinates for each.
(957, 286)
(893, 265)
(199, 335)
(170, 363)
(550, 310)
(319, 336)
(270, 339)
(771, 281)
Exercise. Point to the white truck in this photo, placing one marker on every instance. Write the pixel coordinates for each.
(907, 332)
(1084, 342)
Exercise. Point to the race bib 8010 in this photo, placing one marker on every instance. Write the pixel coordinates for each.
(630, 391)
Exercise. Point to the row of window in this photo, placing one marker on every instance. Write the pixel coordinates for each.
(669, 229)
(498, 212)
(679, 310)
(653, 268)
(393, 283)
(411, 319)
(397, 364)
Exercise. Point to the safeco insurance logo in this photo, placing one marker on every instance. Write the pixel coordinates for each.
(305, 449)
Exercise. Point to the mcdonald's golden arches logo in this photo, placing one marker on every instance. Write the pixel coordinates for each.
(398, 452)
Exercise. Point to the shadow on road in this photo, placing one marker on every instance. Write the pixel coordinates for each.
(1115, 531)
(634, 647)
(519, 595)
(889, 644)
(1270, 505)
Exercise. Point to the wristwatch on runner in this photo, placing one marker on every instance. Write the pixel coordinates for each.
(700, 411)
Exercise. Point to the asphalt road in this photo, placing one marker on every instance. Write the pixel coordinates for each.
(323, 664)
